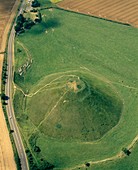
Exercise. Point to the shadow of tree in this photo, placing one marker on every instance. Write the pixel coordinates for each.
(51, 23)
(46, 25)
(4, 97)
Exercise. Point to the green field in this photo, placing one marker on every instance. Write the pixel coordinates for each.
(76, 90)
(127, 163)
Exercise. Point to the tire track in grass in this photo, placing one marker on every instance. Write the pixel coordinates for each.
(108, 81)
(39, 90)
(52, 88)
(53, 108)
(126, 86)
(25, 49)
(31, 95)
(47, 115)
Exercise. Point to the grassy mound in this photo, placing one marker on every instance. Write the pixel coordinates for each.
(73, 108)
(60, 44)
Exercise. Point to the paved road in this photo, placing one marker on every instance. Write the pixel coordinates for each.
(10, 111)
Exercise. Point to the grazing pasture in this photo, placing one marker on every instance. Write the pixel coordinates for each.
(125, 163)
(70, 80)
(118, 10)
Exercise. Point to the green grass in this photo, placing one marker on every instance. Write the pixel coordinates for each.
(127, 163)
(102, 110)
(45, 3)
(22, 56)
(100, 46)
(105, 51)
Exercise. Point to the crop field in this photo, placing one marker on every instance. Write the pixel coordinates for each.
(5, 12)
(118, 10)
(7, 159)
(76, 90)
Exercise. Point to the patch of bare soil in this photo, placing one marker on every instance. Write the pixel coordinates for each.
(72, 85)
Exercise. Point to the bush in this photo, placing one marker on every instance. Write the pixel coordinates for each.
(19, 23)
(37, 149)
(35, 4)
(126, 151)
(4, 97)
(87, 164)
(28, 24)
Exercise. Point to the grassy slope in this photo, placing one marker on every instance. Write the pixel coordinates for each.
(101, 109)
(22, 56)
(99, 45)
(127, 163)
(105, 48)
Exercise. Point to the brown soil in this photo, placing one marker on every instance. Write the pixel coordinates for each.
(7, 13)
(72, 85)
(118, 10)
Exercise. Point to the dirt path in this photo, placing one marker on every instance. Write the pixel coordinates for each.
(51, 111)
(44, 87)
(25, 49)
(7, 161)
(118, 156)
(47, 115)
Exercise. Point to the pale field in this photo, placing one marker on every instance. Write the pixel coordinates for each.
(7, 13)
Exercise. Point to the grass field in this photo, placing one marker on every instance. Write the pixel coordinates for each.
(126, 163)
(60, 60)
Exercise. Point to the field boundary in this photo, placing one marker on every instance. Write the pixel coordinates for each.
(75, 12)
(105, 19)
(102, 11)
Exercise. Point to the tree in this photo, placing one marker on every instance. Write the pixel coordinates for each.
(46, 165)
(38, 17)
(11, 131)
(19, 50)
(126, 151)
(17, 27)
(87, 164)
(20, 18)
(19, 23)
(4, 103)
(28, 24)
(35, 4)
(4, 97)
(37, 149)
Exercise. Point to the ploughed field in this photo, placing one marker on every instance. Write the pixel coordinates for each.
(76, 89)
(5, 11)
(118, 10)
